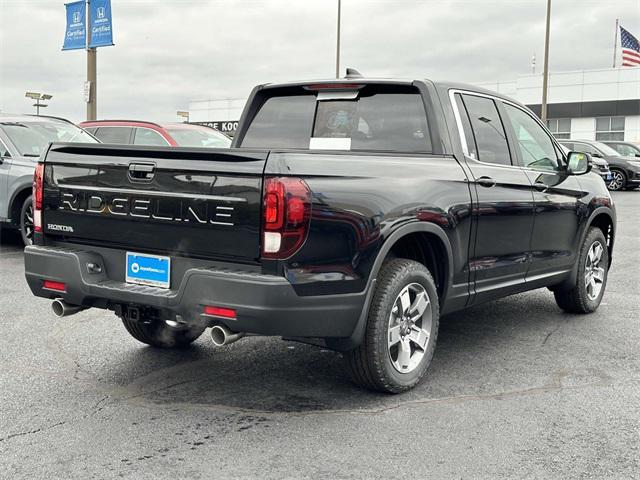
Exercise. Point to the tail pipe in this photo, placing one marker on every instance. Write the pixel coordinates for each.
(221, 335)
(63, 309)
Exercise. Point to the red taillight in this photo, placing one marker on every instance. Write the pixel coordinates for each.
(273, 205)
(57, 286)
(287, 214)
(220, 312)
(37, 197)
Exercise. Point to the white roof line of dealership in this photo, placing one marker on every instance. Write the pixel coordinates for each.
(564, 87)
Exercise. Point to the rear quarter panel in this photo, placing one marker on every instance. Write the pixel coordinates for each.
(359, 201)
(19, 179)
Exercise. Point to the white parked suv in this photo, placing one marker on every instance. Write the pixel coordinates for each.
(22, 139)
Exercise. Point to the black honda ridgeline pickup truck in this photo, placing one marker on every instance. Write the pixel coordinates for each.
(350, 214)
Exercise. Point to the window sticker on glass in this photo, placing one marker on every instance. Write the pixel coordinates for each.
(320, 143)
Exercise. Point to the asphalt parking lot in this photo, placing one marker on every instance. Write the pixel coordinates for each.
(517, 389)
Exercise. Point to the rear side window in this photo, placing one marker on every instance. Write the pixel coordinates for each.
(146, 136)
(376, 118)
(488, 131)
(585, 148)
(282, 122)
(114, 134)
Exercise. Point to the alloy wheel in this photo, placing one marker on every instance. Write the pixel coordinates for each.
(594, 274)
(409, 329)
(27, 224)
(617, 181)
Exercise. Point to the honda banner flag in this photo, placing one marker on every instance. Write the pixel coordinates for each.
(100, 23)
(75, 36)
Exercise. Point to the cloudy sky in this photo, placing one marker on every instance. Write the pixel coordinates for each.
(170, 52)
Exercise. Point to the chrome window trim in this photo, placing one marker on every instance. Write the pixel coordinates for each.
(6, 148)
(465, 149)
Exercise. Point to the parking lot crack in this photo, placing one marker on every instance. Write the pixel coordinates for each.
(551, 333)
(31, 432)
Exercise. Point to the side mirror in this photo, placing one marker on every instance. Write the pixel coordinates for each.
(597, 154)
(579, 163)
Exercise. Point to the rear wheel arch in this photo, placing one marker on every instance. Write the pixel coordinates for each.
(603, 220)
(15, 205)
(428, 249)
(401, 239)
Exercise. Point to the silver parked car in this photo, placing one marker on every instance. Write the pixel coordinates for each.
(22, 139)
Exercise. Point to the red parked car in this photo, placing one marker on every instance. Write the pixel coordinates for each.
(130, 132)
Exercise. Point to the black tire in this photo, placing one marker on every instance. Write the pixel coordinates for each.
(158, 334)
(26, 221)
(371, 363)
(618, 182)
(577, 298)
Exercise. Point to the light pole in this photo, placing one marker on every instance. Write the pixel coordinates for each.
(92, 72)
(338, 41)
(37, 97)
(183, 114)
(545, 71)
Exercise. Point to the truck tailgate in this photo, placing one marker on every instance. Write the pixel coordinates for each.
(172, 201)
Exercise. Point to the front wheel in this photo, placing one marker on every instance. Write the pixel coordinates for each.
(593, 269)
(618, 181)
(401, 331)
(26, 221)
(159, 333)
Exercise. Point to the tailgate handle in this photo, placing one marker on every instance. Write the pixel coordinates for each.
(141, 172)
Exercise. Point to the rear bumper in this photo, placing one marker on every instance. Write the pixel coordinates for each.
(265, 304)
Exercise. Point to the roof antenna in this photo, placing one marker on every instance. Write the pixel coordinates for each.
(353, 73)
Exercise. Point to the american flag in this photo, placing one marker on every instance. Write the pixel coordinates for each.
(630, 49)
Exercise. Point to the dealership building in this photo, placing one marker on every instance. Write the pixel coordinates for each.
(588, 104)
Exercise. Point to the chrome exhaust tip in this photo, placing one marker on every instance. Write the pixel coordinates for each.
(221, 335)
(63, 309)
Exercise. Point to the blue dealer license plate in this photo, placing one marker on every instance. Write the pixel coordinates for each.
(148, 269)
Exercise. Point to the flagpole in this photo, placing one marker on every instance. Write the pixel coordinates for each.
(615, 43)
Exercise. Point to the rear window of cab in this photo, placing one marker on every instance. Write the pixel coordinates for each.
(370, 118)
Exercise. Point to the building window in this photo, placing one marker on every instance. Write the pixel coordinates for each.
(560, 127)
(610, 128)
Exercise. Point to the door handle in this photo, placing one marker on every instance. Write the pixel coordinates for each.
(541, 187)
(141, 172)
(486, 181)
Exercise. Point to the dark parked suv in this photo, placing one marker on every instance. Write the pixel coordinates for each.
(349, 214)
(625, 171)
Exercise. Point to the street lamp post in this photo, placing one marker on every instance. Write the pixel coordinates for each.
(338, 41)
(37, 97)
(92, 72)
(545, 71)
